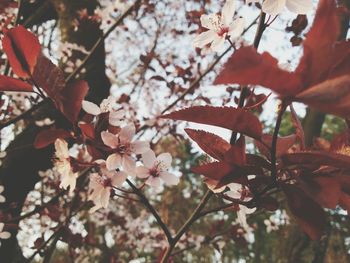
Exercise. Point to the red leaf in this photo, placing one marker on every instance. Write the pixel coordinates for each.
(47, 137)
(72, 97)
(283, 144)
(215, 170)
(308, 213)
(235, 119)
(49, 77)
(22, 49)
(236, 154)
(317, 159)
(331, 96)
(88, 130)
(318, 45)
(324, 190)
(298, 127)
(11, 84)
(210, 143)
(248, 67)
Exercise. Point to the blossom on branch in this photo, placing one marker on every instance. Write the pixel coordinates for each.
(155, 169)
(2, 198)
(63, 166)
(4, 234)
(122, 148)
(102, 183)
(107, 105)
(220, 27)
(275, 7)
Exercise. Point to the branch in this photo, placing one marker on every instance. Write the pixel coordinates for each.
(187, 225)
(145, 201)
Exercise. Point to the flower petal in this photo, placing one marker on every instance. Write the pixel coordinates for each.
(1, 188)
(113, 162)
(90, 107)
(5, 235)
(149, 158)
(228, 11)
(127, 132)
(128, 163)
(142, 172)
(236, 28)
(300, 7)
(273, 7)
(115, 118)
(119, 178)
(208, 21)
(2, 199)
(61, 147)
(140, 147)
(109, 139)
(218, 43)
(165, 159)
(169, 178)
(154, 182)
(204, 38)
(1, 226)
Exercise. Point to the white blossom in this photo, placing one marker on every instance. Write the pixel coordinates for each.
(275, 7)
(4, 234)
(219, 27)
(107, 105)
(102, 183)
(155, 169)
(63, 166)
(2, 198)
(123, 147)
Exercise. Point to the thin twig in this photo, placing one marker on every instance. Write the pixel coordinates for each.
(145, 201)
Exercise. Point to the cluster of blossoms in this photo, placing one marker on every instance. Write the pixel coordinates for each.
(120, 152)
(222, 27)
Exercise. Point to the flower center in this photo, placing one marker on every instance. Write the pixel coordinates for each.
(123, 148)
(222, 31)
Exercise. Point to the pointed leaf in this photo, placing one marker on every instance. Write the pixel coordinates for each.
(71, 99)
(47, 137)
(331, 96)
(210, 143)
(12, 84)
(316, 159)
(248, 67)
(308, 213)
(49, 77)
(235, 119)
(215, 170)
(22, 49)
(318, 45)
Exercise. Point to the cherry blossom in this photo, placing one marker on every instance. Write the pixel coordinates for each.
(275, 7)
(102, 183)
(155, 169)
(238, 191)
(2, 198)
(220, 27)
(4, 234)
(115, 116)
(123, 147)
(63, 166)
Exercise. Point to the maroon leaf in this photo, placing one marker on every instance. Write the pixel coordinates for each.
(331, 96)
(215, 170)
(316, 159)
(235, 119)
(22, 49)
(236, 154)
(49, 77)
(308, 213)
(248, 67)
(71, 99)
(318, 46)
(11, 84)
(210, 143)
(47, 137)
(283, 144)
